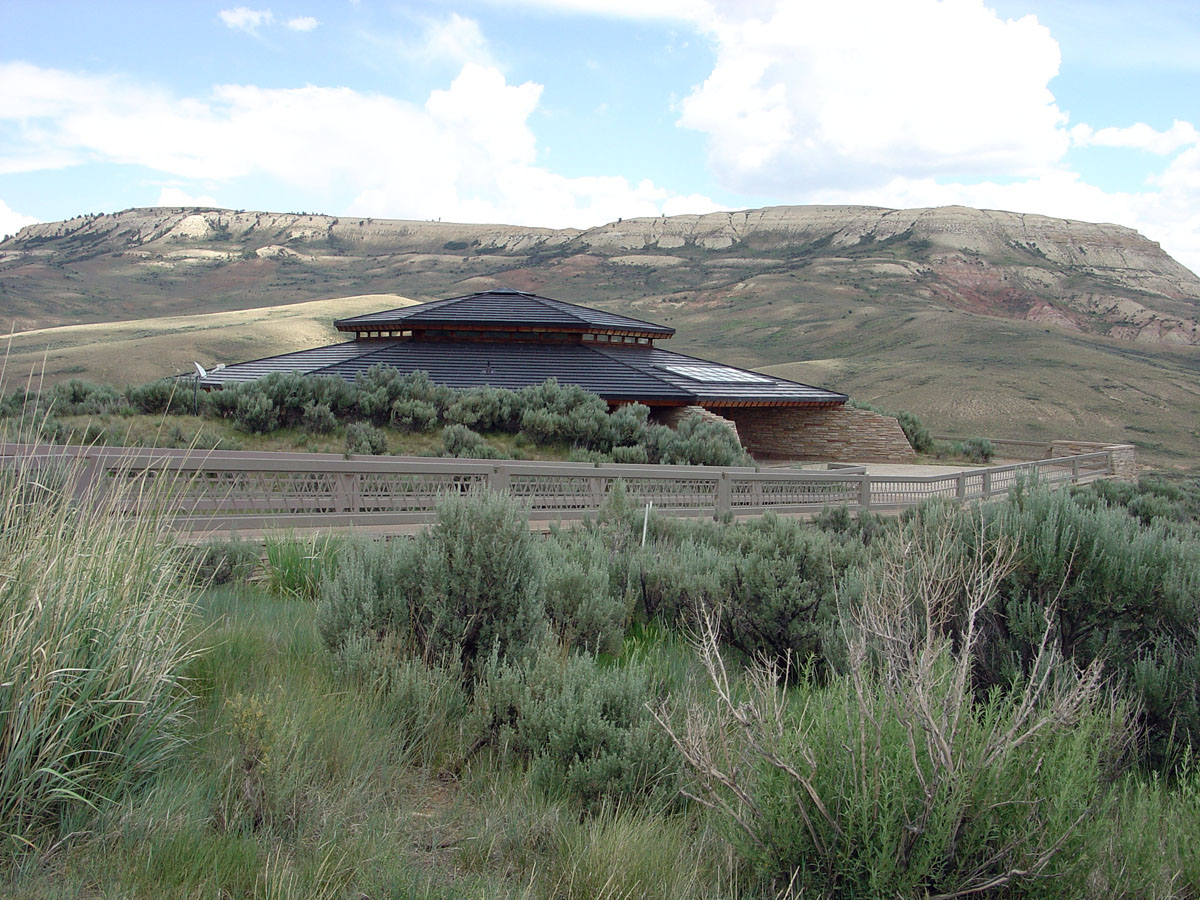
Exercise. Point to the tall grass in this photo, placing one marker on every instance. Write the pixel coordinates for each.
(296, 566)
(92, 642)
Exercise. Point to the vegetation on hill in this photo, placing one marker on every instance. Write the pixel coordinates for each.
(543, 415)
(998, 700)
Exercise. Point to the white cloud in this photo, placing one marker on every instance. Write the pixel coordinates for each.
(455, 39)
(12, 221)
(174, 196)
(302, 23)
(242, 18)
(1138, 137)
(864, 90)
(468, 154)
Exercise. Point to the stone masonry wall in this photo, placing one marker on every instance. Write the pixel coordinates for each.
(837, 433)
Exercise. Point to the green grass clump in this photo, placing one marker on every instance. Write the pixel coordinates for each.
(296, 566)
(93, 646)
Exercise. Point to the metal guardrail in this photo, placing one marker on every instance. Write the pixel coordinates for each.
(223, 491)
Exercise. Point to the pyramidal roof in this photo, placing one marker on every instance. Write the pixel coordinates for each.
(504, 309)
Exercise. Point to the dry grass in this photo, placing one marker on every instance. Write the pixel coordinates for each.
(141, 350)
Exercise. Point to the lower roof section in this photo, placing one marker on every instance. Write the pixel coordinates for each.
(617, 373)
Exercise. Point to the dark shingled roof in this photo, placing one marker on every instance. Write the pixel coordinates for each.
(504, 308)
(615, 372)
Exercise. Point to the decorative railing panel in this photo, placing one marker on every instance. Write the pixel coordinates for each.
(218, 491)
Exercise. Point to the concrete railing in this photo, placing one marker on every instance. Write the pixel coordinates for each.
(224, 491)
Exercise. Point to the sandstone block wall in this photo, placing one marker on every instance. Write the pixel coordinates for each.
(837, 433)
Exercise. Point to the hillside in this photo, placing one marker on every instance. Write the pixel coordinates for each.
(980, 321)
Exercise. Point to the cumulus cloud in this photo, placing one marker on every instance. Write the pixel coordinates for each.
(302, 23)
(12, 221)
(864, 90)
(1138, 137)
(468, 153)
(242, 18)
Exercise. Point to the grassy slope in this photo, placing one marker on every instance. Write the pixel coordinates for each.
(132, 352)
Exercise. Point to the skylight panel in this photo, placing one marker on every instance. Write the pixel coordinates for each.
(717, 374)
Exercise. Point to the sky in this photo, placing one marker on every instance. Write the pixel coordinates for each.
(573, 113)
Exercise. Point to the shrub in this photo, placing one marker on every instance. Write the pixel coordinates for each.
(335, 392)
(628, 424)
(461, 441)
(587, 607)
(568, 414)
(364, 438)
(583, 729)
(290, 393)
(894, 780)
(477, 586)
(414, 415)
(918, 435)
(381, 388)
(253, 411)
(1118, 591)
(95, 616)
(683, 582)
(366, 598)
(76, 397)
(160, 397)
(485, 409)
(978, 450)
(467, 587)
(781, 592)
(318, 418)
(630, 455)
(696, 442)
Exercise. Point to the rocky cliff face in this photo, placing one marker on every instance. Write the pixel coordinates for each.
(1103, 279)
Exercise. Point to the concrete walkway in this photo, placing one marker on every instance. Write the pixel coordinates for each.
(912, 470)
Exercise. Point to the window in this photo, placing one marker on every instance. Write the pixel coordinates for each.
(717, 374)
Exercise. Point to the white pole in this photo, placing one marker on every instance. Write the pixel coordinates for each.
(646, 522)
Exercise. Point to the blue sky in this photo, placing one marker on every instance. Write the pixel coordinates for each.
(577, 112)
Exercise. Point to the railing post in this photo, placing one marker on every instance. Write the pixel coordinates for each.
(87, 482)
(1074, 468)
(499, 479)
(343, 492)
(987, 483)
(864, 492)
(724, 503)
(960, 487)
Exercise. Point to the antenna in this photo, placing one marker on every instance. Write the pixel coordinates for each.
(201, 374)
